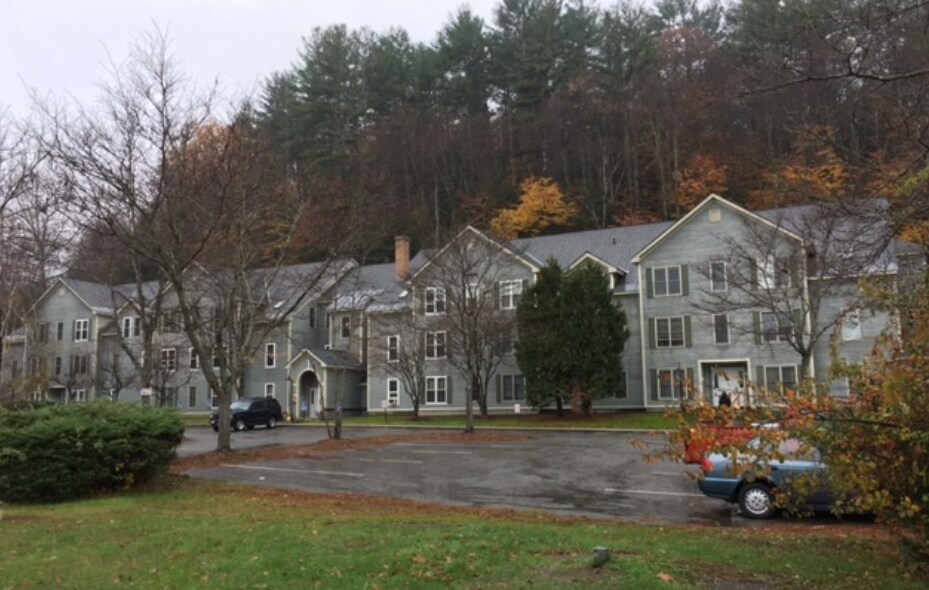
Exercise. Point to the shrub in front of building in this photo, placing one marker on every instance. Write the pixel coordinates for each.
(66, 452)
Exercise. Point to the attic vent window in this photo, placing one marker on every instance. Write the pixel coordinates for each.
(715, 215)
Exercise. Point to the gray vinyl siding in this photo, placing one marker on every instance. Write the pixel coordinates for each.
(692, 247)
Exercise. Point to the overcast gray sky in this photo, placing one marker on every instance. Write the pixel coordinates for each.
(62, 46)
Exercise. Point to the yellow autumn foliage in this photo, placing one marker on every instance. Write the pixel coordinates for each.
(541, 205)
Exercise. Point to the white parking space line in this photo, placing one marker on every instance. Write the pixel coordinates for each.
(653, 493)
(410, 461)
(440, 452)
(291, 470)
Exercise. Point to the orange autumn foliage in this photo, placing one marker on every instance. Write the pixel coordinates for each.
(704, 176)
(541, 205)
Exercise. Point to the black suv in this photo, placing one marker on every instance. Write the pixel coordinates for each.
(249, 411)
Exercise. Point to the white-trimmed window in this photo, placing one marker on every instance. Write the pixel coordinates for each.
(851, 325)
(511, 291)
(81, 330)
(269, 390)
(78, 364)
(436, 390)
(773, 272)
(168, 359)
(346, 326)
(472, 290)
(80, 395)
(131, 327)
(775, 328)
(58, 367)
(719, 279)
(393, 349)
(435, 300)
(666, 281)
(780, 377)
(670, 383)
(669, 332)
(435, 345)
(270, 355)
(514, 388)
(312, 317)
(60, 331)
(193, 359)
(393, 392)
(721, 328)
(192, 397)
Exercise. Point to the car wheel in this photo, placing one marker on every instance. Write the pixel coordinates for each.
(239, 425)
(757, 501)
(272, 422)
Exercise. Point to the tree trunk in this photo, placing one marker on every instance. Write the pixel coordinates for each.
(559, 404)
(469, 410)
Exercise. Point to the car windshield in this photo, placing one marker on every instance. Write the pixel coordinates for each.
(239, 405)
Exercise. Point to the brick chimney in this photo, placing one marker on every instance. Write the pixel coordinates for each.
(402, 257)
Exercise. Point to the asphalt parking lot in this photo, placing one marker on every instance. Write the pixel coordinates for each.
(593, 474)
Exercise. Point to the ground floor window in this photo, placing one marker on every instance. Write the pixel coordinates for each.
(513, 388)
(670, 383)
(780, 377)
(436, 390)
(192, 396)
(393, 392)
(269, 390)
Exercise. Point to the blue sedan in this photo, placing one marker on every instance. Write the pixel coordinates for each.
(755, 493)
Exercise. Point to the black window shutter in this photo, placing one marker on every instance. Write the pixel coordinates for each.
(649, 289)
(499, 386)
(654, 384)
(685, 280)
(651, 333)
(756, 321)
(448, 389)
(688, 335)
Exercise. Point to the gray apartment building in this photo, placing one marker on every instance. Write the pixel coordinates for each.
(725, 299)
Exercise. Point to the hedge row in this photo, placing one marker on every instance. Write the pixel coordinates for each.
(65, 452)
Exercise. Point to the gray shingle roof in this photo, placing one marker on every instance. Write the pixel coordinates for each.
(615, 246)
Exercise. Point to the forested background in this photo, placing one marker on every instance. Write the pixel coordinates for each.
(635, 111)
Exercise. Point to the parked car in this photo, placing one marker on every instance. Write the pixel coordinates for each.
(247, 412)
(756, 494)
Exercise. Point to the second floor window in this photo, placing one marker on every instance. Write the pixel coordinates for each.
(61, 331)
(393, 349)
(270, 355)
(775, 328)
(669, 332)
(667, 280)
(510, 294)
(435, 345)
(171, 321)
(721, 328)
(851, 325)
(718, 279)
(194, 360)
(79, 364)
(168, 359)
(57, 366)
(81, 330)
(435, 300)
(43, 332)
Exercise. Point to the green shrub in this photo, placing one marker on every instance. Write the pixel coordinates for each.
(64, 452)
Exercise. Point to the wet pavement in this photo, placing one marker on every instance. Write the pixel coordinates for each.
(593, 474)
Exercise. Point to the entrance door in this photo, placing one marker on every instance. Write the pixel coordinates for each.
(728, 381)
(309, 394)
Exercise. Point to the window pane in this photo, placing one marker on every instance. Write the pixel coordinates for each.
(769, 326)
(661, 282)
(677, 331)
(721, 327)
(663, 332)
(674, 280)
(789, 376)
(718, 276)
(772, 376)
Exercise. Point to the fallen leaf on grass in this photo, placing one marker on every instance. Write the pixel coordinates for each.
(419, 559)
(665, 577)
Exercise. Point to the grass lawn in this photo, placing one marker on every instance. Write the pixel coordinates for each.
(189, 534)
(631, 420)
